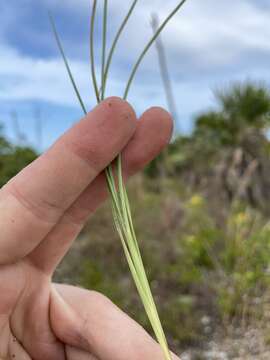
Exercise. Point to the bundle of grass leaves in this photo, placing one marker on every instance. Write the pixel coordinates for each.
(120, 202)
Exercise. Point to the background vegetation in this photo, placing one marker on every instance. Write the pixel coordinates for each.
(202, 215)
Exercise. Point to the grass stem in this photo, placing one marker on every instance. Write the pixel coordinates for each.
(104, 43)
(61, 49)
(92, 51)
(114, 44)
(120, 203)
(148, 46)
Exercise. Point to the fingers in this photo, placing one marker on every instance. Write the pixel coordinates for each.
(73, 353)
(152, 134)
(89, 321)
(33, 202)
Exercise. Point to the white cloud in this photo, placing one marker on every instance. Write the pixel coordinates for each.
(208, 42)
(211, 33)
(203, 25)
(26, 78)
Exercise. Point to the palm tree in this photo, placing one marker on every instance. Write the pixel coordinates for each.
(235, 137)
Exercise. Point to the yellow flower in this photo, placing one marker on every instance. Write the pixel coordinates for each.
(190, 239)
(196, 201)
(241, 218)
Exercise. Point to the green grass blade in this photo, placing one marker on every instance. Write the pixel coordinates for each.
(120, 202)
(92, 52)
(104, 42)
(61, 49)
(141, 277)
(147, 47)
(114, 44)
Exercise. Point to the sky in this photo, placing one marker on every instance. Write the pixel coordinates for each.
(209, 45)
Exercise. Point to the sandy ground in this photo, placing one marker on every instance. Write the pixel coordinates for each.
(248, 346)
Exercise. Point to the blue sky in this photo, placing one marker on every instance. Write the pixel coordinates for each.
(209, 44)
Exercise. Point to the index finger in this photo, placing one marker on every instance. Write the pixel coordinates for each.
(33, 202)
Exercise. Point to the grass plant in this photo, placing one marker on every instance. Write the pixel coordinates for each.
(120, 203)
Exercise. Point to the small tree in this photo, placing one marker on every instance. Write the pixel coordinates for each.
(237, 135)
(227, 154)
(13, 159)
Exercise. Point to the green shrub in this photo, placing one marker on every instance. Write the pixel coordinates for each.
(196, 265)
(13, 159)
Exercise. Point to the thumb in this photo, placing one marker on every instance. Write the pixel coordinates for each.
(89, 321)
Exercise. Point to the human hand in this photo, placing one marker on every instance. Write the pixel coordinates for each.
(43, 209)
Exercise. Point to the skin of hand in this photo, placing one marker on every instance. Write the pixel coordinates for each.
(43, 209)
